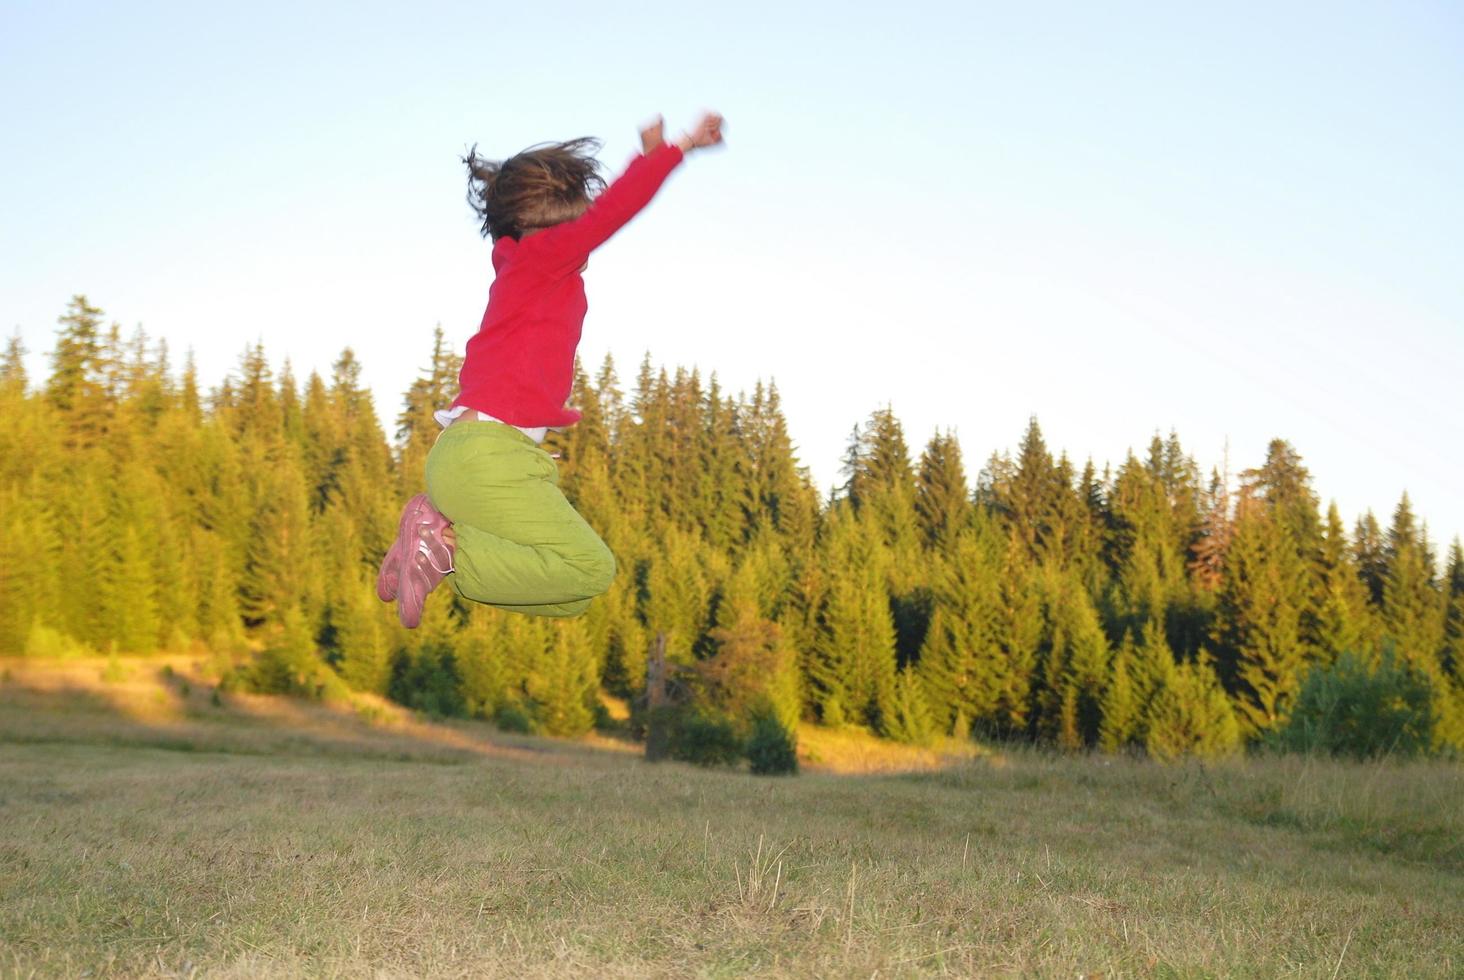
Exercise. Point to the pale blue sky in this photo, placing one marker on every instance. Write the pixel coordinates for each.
(1239, 221)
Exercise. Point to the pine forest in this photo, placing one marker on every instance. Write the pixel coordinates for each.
(1144, 606)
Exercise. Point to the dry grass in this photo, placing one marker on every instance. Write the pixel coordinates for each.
(306, 840)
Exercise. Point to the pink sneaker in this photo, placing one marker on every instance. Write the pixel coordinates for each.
(421, 526)
(419, 576)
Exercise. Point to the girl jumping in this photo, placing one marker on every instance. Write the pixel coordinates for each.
(493, 518)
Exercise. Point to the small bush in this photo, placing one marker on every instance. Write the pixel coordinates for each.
(833, 713)
(46, 643)
(276, 671)
(371, 714)
(1190, 715)
(909, 718)
(705, 740)
(428, 682)
(290, 666)
(1351, 709)
(114, 672)
(512, 717)
(604, 721)
(771, 749)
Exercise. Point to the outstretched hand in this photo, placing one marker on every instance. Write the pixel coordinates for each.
(708, 132)
(653, 135)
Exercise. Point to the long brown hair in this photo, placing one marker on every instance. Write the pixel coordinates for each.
(544, 185)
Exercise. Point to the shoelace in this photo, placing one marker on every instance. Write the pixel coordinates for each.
(427, 553)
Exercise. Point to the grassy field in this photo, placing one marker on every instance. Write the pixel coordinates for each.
(148, 828)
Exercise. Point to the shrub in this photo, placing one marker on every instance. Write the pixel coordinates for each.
(833, 713)
(277, 671)
(1190, 715)
(291, 665)
(705, 740)
(604, 720)
(512, 717)
(1350, 709)
(44, 642)
(771, 749)
(428, 682)
(909, 718)
(178, 641)
(114, 672)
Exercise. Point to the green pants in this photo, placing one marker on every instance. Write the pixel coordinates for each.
(520, 545)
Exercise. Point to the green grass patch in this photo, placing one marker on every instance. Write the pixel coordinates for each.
(300, 839)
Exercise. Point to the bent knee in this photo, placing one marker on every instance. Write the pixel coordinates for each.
(599, 571)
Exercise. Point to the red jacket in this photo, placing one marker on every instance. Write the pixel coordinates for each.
(519, 367)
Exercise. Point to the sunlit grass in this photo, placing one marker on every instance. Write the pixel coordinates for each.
(353, 839)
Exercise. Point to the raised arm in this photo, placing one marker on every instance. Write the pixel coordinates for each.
(629, 193)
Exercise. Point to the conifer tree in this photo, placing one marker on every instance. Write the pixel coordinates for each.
(278, 572)
(1121, 707)
(584, 450)
(1262, 596)
(752, 668)
(853, 664)
(321, 443)
(426, 673)
(1025, 628)
(174, 575)
(31, 456)
(965, 665)
(727, 492)
(1448, 684)
(1370, 552)
(881, 481)
(1343, 617)
(626, 640)
(678, 592)
(416, 429)
(942, 500)
(1452, 658)
(77, 388)
(1413, 610)
(1089, 540)
(1146, 550)
(1072, 666)
(1027, 495)
(612, 399)
(909, 717)
(486, 680)
(881, 488)
(1207, 554)
(220, 624)
(362, 639)
(785, 499)
(1190, 715)
(1155, 662)
(292, 415)
(253, 401)
(189, 401)
(31, 583)
(1285, 485)
(13, 379)
(1071, 523)
(563, 679)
